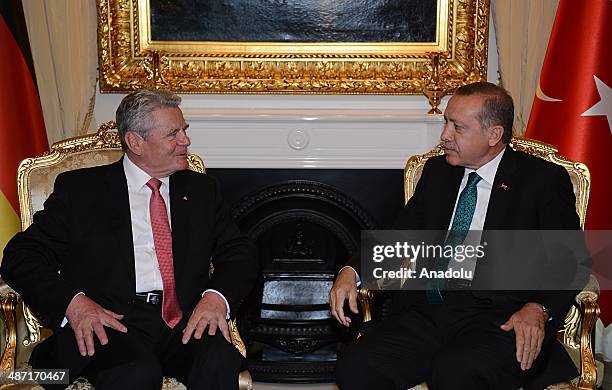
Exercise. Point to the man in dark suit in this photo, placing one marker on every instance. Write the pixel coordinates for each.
(473, 337)
(117, 264)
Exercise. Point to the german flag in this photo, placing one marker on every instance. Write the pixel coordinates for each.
(22, 128)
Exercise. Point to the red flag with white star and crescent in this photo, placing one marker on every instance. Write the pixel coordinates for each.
(573, 111)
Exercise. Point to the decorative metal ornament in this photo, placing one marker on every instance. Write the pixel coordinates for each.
(130, 59)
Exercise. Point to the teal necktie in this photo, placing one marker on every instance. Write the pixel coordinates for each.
(456, 235)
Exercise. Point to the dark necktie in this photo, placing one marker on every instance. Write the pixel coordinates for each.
(162, 237)
(466, 205)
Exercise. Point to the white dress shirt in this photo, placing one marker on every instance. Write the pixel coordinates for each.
(148, 276)
(487, 173)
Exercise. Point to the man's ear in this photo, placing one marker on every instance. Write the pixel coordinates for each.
(495, 134)
(134, 142)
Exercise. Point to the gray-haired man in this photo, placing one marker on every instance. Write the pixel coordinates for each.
(117, 263)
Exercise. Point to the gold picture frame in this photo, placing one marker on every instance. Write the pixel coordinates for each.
(129, 59)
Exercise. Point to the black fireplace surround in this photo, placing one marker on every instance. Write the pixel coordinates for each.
(305, 223)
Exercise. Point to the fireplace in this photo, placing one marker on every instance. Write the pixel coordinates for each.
(303, 177)
(305, 223)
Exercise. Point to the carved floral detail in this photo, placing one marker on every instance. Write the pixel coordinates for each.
(126, 66)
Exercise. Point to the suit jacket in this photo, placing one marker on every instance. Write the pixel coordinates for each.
(82, 241)
(528, 193)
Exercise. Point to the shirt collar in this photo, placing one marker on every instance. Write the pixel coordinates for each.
(136, 177)
(487, 172)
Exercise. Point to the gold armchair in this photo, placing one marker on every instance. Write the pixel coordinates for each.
(36, 177)
(580, 321)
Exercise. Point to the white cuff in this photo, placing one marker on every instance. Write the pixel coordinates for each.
(357, 278)
(221, 295)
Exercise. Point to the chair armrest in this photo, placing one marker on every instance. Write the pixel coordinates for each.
(8, 313)
(365, 299)
(589, 292)
(235, 337)
(245, 382)
(364, 296)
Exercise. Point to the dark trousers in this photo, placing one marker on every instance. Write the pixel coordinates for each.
(454, 345)
(141, 357)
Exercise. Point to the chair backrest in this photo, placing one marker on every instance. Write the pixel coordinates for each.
(36, 176)
(578, 172)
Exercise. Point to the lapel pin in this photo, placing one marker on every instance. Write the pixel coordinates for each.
(504, 186)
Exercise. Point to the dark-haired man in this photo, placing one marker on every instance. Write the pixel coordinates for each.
(470, 339)
(117, 263)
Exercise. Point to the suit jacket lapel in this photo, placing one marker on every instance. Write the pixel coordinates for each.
(180, 212)
(120, 217)
(448, 197)
(501, 193)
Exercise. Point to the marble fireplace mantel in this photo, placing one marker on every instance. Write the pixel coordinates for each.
(310, 137)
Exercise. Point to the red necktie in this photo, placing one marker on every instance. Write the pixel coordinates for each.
(162, 237)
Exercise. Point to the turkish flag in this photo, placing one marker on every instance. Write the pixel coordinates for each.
(573, 111)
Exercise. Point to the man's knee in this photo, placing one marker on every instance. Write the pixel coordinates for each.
(220, 347)
(352, 368)
(147, 370)
(450, 369)
(468, 370)
(141, 373)
(215, 351)
(214, 363)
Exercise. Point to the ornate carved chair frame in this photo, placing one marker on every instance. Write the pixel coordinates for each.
(78, 152)
(580, 320)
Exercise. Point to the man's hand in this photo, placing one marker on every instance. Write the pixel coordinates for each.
(86, 317)
(528, 325)
(345, 287)
(210, 312)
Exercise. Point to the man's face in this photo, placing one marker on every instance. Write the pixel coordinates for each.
(465, 143)
(165, 149)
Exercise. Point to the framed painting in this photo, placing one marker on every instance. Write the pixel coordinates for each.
(292, 46)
